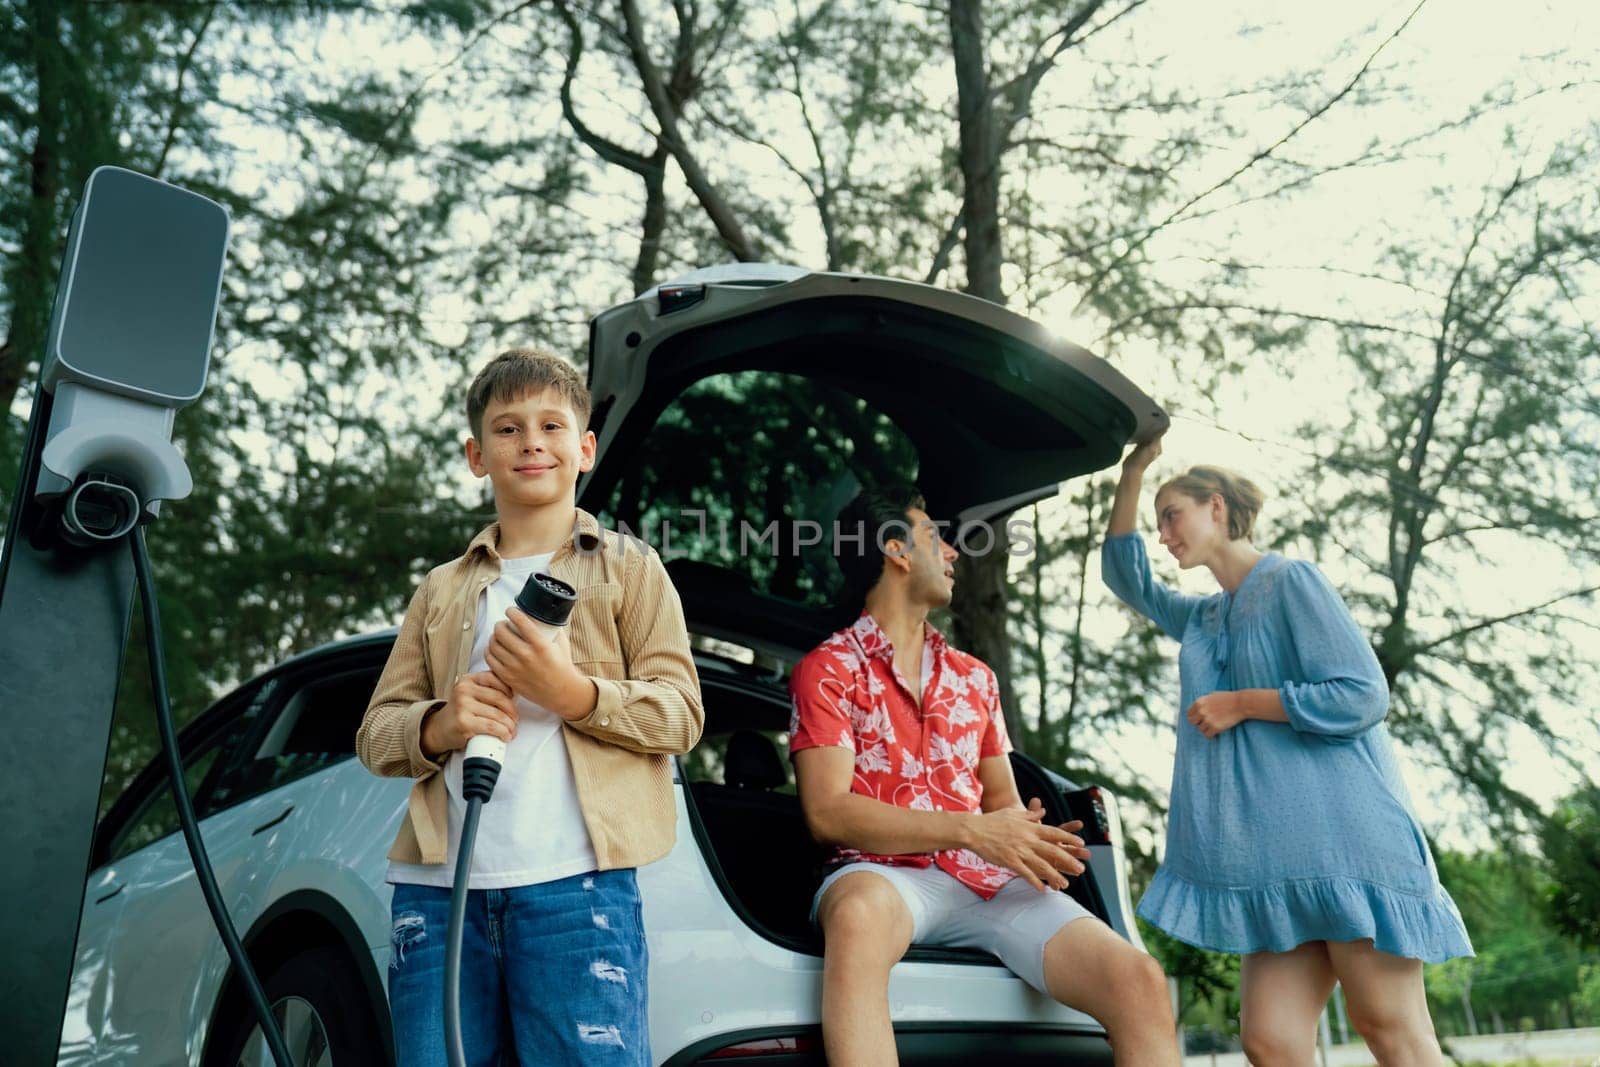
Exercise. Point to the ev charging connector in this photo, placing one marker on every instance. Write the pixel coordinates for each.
(124, 354)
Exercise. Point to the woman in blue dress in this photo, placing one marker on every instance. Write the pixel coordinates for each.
(1290, 838)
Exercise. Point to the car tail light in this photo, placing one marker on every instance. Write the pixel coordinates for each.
(768, 1046)
(670, 298)
(1102, 821)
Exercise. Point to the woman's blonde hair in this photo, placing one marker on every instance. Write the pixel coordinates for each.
(1241, 496)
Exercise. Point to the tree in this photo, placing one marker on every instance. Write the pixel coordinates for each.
(1570, 841)
(79, 82)
(1473, 437)
(992, 101)
(1524, 968)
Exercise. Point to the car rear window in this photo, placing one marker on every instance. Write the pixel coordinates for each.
(756, 453)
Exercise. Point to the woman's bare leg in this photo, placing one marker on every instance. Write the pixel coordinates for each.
(1387, 1004)
(1281, 994)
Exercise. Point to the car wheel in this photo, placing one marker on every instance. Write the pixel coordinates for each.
(316, 1000)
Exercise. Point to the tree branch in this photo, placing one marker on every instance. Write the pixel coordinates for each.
(716, 206)
(1019, 88)
(177, 92)
(1260, 155)
(603, 147)
(947, 245)
(1484, 624)
(1209, 305)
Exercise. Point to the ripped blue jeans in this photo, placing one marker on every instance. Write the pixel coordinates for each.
(550, 974)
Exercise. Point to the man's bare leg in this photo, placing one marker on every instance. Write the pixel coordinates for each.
(1089, 967)
(866, 928)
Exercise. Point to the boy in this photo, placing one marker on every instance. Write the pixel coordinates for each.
(899, 753)
(553, 960)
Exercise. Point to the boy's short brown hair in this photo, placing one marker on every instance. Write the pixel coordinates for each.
(517, 372)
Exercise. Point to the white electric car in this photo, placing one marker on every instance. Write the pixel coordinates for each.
(733, 408)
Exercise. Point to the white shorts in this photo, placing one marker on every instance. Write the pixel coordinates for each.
(1015, 924)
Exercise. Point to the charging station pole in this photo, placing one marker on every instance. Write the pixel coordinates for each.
(129, 344)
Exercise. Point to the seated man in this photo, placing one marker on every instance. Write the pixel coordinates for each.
(899, 750)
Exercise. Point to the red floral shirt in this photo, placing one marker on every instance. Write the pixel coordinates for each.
(847, 693)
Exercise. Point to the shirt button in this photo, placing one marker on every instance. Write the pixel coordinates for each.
(605, 722)
(466, 626)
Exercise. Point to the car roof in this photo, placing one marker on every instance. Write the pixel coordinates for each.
(723, 664)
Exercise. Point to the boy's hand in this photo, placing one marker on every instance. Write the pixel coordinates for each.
(478, 704)
(538, 667)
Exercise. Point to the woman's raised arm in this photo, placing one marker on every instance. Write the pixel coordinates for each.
(1125, 507)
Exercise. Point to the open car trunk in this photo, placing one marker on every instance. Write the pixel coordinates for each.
(742, 403)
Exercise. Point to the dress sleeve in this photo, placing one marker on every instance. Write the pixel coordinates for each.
(821, 695)
(1126, 570)
(1343, 694)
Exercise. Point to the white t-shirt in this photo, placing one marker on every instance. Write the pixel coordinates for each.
(531, 830)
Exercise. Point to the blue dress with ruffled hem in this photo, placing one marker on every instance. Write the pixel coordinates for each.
(1283, 833)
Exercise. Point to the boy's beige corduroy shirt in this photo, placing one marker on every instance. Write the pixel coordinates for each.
(627, 633)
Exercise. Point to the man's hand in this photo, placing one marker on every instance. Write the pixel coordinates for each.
(478, 704)
(1216, 712)
(539, 668)
(1018, 839)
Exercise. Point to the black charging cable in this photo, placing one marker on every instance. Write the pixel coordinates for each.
(478, 776)
(186, 819)
(548, 601)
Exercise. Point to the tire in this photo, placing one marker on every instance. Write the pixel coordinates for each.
(316, 996)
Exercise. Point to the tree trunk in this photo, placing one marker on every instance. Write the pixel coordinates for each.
(654, 223)
(715, 205)
(31, 274)
(1041, 659)
(980, 151)
(980, 597)
(1076, 687)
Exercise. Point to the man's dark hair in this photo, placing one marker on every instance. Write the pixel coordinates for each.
(878, 513)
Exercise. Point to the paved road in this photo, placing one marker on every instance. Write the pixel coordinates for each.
(1574, 1048)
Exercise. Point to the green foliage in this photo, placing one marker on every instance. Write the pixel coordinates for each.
(1570, 839)
(459, 15)
(751, 448)
(1208, 982)
(1525, 968)
(324, 484)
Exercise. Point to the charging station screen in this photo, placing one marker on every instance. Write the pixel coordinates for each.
(142, 289)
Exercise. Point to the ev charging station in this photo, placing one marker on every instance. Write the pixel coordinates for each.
(129, 344)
